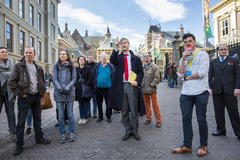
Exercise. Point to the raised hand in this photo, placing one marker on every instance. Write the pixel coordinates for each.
(117, 44)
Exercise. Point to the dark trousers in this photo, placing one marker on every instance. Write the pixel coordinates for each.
(49, 82)
(186, 105)
(9, 108)
(231, 103)
(130, 103)
(100, 93)
(32, 101)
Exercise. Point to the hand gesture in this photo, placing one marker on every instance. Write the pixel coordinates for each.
(117, 44)
(186, 53)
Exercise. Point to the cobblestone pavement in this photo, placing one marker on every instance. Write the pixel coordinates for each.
(103, 140)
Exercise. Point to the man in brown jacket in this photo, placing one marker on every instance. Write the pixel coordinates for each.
(149, 88)
(27, 81)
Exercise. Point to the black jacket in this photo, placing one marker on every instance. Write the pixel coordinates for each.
(87, 77)
(224, 76)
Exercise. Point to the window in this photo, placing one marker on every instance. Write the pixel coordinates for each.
(9, 37)
(22, 42)
(53, 32)
(21, 8)
(39, 22)
(225, 27)
(39, 2)
(8, 3)
(31, 15)
(39, 51)
(31, 41)
(52, 10)
(53, 55)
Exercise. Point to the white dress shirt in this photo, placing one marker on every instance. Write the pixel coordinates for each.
(200, 64)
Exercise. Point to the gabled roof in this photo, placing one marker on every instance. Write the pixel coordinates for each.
(106, 44)
(153, 28)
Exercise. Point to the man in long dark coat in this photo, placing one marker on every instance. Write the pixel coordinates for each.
(125, 94)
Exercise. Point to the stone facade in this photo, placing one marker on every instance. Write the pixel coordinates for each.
(30, 23)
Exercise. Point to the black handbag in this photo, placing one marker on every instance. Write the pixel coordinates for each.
(86, 90)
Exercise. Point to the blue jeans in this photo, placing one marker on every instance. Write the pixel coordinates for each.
(61, 121)
(186, 105)
(9, 109)
(47, 83)
(29, 117)
(83, 107)
(174, 79)
(95, 106)
(32, 101)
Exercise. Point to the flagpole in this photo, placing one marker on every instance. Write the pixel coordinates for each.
(204, 32)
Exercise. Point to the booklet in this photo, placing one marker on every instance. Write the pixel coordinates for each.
(189, 49)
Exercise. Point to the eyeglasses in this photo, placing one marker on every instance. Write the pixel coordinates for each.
(146, 56)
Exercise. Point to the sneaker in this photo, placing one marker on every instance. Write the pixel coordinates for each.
(28, 130)
(80, 121)
(84, 121)
(72, 137)
(63, 138)
(94, 115)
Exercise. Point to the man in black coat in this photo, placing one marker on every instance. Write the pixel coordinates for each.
(224, 82)
(125, 95)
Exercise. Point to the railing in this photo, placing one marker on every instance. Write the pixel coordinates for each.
(232, 37)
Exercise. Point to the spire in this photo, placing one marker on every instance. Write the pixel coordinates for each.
(66, 26)
(181, 29)
(108, 34)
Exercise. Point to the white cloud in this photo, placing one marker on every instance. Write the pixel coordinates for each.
(84, 16)
(136, 40)
(164, 10)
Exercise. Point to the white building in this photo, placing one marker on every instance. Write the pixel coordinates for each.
(226, 19)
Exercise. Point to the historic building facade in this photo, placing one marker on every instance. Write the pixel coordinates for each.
(226, 19)
(30, 23)
(107, 45)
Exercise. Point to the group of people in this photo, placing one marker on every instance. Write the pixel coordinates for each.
(171, 74)
(126, 85)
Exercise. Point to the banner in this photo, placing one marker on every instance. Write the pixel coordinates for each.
(157, 44)
(208, 32)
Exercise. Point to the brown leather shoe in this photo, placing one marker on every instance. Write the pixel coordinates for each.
(182, 149)
(202, 151)
(147, 122)
(159, 124)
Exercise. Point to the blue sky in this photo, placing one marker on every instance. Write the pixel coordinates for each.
(131, 18)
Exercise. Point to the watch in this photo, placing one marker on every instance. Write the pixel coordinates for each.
(185, 78)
